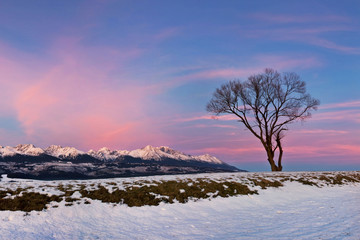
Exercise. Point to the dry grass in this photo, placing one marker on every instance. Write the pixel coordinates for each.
(146, 192)
(168, 192)
(264, 183)
(28, 201)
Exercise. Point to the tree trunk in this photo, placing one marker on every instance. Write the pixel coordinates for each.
(279, 160)
(278, 141)
(274, 167)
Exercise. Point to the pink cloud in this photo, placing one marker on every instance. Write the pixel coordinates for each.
(207, 117)
(72, 98)
(344, 111)
(350, 149)
(227, 73)
(350, 104)
(213, 126)
(350, 152)
(321, 131)
(224, 126)
(340, 115)
(250, 150)
(230, 151)
(30, 105)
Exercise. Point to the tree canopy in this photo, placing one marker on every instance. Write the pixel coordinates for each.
(266, 104)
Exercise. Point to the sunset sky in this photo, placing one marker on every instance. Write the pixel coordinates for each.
(126, 74)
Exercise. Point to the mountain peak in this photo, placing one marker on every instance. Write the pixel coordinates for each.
(7, 151)
(146, 153)
(63, 152)
(104, 153)
(166, 149)
(148, 148)
(104, 149)
(29, 149)
(208, 158)
(158, 153)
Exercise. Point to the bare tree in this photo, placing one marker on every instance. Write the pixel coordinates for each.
(266, 104)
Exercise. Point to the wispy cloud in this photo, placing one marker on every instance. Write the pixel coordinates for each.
(230, 150)
(206, 117)
(321, 131)
(224, 73)
(167, 33)
(302, 31)
(350, 104)
(213, 126)
(343, 111)
(281, 63)
(284, 18)
(285, 63)
(339, 115)
(311, 36)
(349, 149)
(332, 45)
(322, 150)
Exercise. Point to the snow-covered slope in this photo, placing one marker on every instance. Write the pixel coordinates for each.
(158, 153)
(24, 149)
(152, 153)
(208, 158)
(29, 149)
(7, 151)
(63, 152)
(105, 154)
(295, 211)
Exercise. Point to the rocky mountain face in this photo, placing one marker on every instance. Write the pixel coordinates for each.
(57, 162)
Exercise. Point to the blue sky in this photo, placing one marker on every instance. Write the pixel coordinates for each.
(125, 74)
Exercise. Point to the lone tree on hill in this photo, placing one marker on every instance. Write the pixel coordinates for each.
(266, 104)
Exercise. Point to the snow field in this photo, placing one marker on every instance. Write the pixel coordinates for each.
(293, 211)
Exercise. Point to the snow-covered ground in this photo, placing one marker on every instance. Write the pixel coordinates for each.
(294, 211)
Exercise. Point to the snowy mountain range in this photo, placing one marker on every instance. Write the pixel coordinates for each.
(57, 162)
(105, 154)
